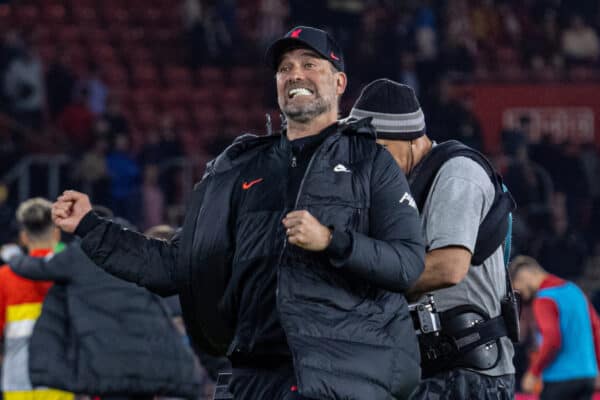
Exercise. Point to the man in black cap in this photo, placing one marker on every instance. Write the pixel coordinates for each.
(295, 250)
(455, 189)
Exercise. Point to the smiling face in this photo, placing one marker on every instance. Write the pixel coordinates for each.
(308, 85)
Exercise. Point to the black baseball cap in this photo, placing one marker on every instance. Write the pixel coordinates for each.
(305, 36)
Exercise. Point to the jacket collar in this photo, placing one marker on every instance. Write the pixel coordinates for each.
(245, 146)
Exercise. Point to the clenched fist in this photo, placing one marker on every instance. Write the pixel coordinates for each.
(69, 209)
(305, 231)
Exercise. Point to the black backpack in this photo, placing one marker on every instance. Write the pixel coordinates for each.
(496, 226)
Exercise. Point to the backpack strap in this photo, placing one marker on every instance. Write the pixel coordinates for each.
(494, 228)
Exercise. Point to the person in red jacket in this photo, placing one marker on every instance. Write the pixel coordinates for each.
(569, 352)
(21, 303)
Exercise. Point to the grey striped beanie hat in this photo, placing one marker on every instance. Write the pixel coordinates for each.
(394, 108)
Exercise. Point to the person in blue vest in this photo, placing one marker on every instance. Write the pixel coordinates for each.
(569, 352)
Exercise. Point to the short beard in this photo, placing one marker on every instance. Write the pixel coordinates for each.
(305, 113)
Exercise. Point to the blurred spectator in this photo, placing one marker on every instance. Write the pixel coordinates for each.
(408, 72)
(103, 336)
(172, 148)
(542, 41)
(562, 249)
(9, 231)
(21, 302)
(24, 88)
(10, 49)
(547, 153)
(569, 351)
(11, 150)
(570, 179)
(342, 16)
(273, 15)
(76, 121)
(451, 118)
(124, 174)
(530, 185)
(152, 197)
(580, 42)
(459, 46)
(192, 12)
(511, 30)
(425, 27)
(92, 173)
(372, 43)
(96, 88)
(486, 24)
(152, 151)
(213, 39)
(60, 83)
(117, 123)
(308, 12)
(469, 129)
(589, 281)
(513, 138)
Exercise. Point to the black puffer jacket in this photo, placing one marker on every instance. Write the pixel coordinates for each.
(100, 335)
(346, 321)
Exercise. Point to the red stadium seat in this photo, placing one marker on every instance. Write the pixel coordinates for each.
(78, 56)
(76, 4)
(235, 97)
(123, 35)
(177, 76)
(115, 77)
(26, 15)
(46, 52)
(205, 115)
(116, 16)
(67, 34)
(42, 35)
(242, 76)
(145, 76)
(104, 54)
(54, 13)
(6, 17)
(137, 55)
(180, 116)
(93, 34)
(174, 97)
(141, 97)
(164, 37)
(145, 116)
(150, 17)
(210, 76)
(84, 14)
(201, 97)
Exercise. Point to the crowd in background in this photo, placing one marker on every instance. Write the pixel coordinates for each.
(57, 103)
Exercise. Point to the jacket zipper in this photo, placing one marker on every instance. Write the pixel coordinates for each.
(310, 162)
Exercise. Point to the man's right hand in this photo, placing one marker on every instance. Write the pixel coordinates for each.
(69, 209)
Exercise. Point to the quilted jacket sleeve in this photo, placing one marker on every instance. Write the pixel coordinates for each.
(129, 255)
(392, 254)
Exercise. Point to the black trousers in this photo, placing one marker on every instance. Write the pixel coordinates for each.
(576, 389)
(269, 384)
(462, 384)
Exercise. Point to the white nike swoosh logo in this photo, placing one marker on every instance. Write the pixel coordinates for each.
(340, 168)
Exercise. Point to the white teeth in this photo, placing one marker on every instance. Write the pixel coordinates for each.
(299, 92)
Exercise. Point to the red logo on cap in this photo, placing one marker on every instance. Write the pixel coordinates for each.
(296, 33)
(336, 58)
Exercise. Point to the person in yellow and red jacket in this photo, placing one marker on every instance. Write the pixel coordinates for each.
(21, 304)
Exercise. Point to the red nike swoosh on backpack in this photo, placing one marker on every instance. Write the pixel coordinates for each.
(248, 185)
